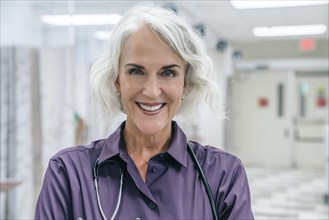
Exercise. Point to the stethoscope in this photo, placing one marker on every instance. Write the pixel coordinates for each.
(95, 174)
(122, 170)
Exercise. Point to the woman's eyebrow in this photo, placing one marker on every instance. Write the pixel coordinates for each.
(171, 66)
(134, 65)
(141, 67)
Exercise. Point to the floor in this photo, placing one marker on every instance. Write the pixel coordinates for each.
(288, 194)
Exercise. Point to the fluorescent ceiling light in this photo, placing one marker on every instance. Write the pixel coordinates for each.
(274, 4)
(275, 31)
(90, 19)
(103, 35)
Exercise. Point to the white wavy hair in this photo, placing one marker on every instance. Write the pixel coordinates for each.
(200, 86)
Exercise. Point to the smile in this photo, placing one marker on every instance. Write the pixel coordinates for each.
(150, 108)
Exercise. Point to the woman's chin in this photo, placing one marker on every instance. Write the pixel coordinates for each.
(153, 128)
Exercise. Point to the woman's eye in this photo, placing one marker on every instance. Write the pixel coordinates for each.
(169, 73)
(135, 71)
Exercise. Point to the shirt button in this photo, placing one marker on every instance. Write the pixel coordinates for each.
(152, 205)
(155, 169)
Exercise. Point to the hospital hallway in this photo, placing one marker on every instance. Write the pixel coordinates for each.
(287, 194)
(270, 66)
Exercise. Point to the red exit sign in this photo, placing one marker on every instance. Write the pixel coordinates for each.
(307, 45)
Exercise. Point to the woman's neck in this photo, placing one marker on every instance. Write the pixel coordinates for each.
(146, 144)
(142, 147)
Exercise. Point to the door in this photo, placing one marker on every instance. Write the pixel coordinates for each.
(261, 118)
(312, 119)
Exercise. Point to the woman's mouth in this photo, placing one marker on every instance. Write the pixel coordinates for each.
(150, 108)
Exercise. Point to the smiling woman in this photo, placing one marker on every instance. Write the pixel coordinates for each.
(151, 83)
(155, 67)
(175, 34)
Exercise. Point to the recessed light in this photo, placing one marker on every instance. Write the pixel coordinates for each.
(90, 19)
(274, 4)
(276, 31)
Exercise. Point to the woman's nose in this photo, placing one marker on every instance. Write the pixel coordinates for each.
(151, 87)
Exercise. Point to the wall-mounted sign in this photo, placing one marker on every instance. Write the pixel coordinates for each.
(321, 99)
(262, 102)
(307, 45)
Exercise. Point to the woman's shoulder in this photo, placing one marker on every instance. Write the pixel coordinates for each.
(79, 152)
(214, 155)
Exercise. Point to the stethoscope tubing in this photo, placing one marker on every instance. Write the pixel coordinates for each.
(205, 182)
(95, 174)
(119, 197)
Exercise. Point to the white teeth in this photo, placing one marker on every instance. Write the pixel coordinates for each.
(150, 108)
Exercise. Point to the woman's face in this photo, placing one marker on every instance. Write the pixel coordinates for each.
(151, 82)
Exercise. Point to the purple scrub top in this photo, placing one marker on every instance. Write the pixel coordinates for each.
(173, 188)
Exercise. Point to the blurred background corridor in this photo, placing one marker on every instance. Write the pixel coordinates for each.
(271, 61)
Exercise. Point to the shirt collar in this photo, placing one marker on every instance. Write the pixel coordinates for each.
(178, 146)
(115, 145)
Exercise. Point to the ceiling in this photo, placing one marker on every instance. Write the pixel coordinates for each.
(220, 19)
(221, 22)
(236, 25)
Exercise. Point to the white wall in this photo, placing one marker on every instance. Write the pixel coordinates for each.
(18, 24)
(57, 86)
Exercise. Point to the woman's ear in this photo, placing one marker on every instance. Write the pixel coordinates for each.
(117, 84)
(186, 67)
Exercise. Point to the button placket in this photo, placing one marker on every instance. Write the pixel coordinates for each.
(155, 169)
(152, 205)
